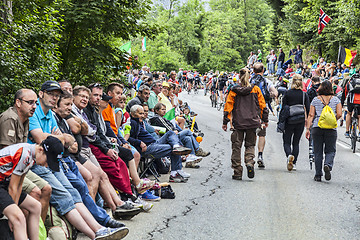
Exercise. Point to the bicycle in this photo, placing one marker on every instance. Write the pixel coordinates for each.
(354, 129)
(213, 98)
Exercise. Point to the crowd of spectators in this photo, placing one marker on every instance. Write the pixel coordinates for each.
(103, 139)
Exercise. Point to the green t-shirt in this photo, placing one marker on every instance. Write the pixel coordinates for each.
(259, 57)
(153, 100)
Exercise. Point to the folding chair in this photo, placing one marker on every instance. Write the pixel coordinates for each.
(148, 164)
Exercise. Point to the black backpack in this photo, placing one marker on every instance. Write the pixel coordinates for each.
(354, 85)
(260, 81)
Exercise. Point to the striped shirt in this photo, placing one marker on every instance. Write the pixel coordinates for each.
(16, 159)
(316, 102)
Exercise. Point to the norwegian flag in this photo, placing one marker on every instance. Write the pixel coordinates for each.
(323, 21)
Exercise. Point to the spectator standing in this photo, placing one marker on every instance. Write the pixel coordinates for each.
(324, 140)
(259, 56)
(281, 59)
(352, 69)
(246, 105)
(298, 54)
(298, 102)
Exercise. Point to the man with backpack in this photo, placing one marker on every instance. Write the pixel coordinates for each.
(351, 94)
(268, 91)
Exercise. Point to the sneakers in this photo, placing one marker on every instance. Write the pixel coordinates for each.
(181, 150)
(177, 178)
(250, 171)
(317, 178)
(114, 224)
(147, 196)
(236, 177)
(183, 174)
(201, 153)
(145, 184)
(191, 165)
(126, 211)
(260, 162)
(290, 163)
(193, 159)
(347, 134)
(145, 206)
(294, 167)
(111, 233)
(327, 173)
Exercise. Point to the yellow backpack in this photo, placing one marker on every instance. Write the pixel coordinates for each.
(327, 118)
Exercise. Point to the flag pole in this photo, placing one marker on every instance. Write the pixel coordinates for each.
(339, 52)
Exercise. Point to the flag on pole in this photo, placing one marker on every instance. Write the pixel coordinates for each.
(323, 21)
(346, 56)
(143, 44)
(126, 47)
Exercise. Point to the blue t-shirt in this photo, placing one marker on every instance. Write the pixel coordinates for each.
(41, 121)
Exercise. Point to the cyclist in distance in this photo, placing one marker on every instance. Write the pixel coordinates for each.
(351, 94)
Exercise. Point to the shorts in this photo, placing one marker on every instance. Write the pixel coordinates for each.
(126, 155)
(351, 107)
(262, 132)
(88, 155)
(221, 86)
(31, 181)
(5, 198)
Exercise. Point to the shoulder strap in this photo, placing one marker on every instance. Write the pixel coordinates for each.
(323, 101)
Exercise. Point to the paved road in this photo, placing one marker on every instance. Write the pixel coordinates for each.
(276, 204)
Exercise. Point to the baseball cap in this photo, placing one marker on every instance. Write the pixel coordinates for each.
(53, 149)
(106, 97)
(51, 86)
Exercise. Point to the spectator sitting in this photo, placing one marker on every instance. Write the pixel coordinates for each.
(167, 145)
(142, 97)
(289, 69)
(125, 152)
(186, 136)
(16, 121)
(153, 99)
(352, 69)
(16, 160)
(95, 178)
(69, 167)
(65, 198)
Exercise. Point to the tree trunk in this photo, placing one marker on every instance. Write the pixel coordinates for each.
(7, 15)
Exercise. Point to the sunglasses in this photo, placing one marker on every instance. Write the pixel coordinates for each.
(95, 85)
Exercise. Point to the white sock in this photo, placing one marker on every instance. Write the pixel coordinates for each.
(102, 228)
(173, 173)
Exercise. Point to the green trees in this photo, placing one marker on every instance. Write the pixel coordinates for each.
(217, 38)
(52, 39)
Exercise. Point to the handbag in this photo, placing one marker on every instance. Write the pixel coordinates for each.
(297, 113)
(297, 109)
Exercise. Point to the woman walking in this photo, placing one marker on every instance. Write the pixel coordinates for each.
(324, 140)
(299, 106)
(246, 106)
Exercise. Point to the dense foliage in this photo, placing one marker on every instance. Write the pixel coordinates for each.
(80, 39)
(222, 34)
(73, 39)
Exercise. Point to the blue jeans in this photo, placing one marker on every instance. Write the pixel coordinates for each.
(163, 147)
(187, 139)
(64, 195)
(271, 68)
(280, 64)
(72, 173)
